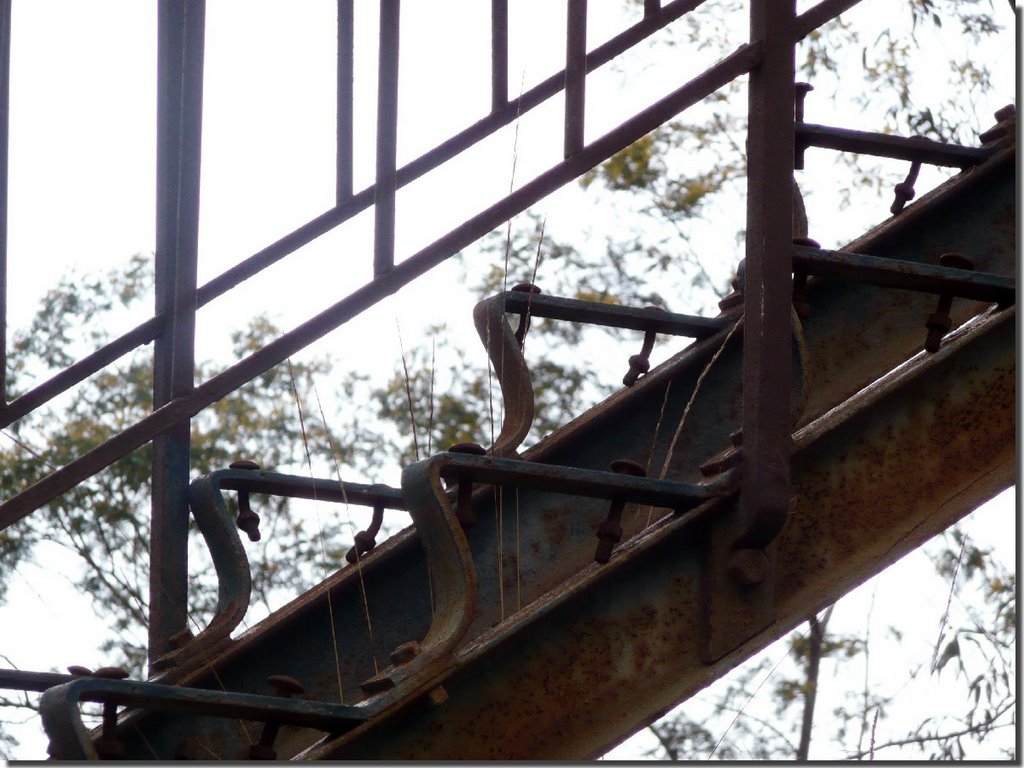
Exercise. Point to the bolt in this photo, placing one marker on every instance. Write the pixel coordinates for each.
(1006, 113)
(285, 687)
(365, 540)
(437, 696)
(939, 321)
(609, 532)
(800, 304)
(247, 520)
(641, 364)
(748, 567)
(524, 317)
(107, 746)
(904, 191)
(405, 653)
(78, 671)
(464, 506)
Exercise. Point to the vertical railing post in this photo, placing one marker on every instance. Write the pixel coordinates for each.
(387, 140)
(346, 72)
(767, 367)
(180, 33)
(5, 102)
(575, 75)
(499, 54)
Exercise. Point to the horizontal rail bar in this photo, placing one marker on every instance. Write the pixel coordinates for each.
(15, 508)
(613, 315)
(353, 205)
(820, 14)
(579, 482)
(321, 489)
(892, 273)
(24, 680)
(882, 145)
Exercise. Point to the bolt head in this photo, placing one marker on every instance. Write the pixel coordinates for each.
(111, 673)
(526, 288)
(627, 467)
(244, 464)
(748, 567)
(79, 671)
(405, 653)
(956, 261)
(285, 685)
(437, 696)
(474, 449)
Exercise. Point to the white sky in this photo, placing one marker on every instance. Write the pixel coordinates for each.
(82, 179)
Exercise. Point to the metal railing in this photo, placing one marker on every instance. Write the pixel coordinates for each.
(768, 58)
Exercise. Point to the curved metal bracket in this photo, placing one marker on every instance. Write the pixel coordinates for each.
(234, 582)
(453, 578)
(506, 355)
(71, 740)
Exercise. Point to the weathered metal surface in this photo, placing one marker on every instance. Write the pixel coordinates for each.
(735, 611)
(180, 49)
(528, 549)
(614, 647)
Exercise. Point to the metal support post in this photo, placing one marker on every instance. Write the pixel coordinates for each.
(180, 35)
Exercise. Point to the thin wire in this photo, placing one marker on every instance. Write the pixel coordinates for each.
(751, 697)
(25, 446)
(654, 443)
(320, 527)
(408, 393)
(949, 602)
(693, 395)
(344, 498)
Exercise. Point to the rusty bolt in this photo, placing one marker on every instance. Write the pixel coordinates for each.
(78, 671)
(247, 520)
(524, 317)
(285, 687)
(904, 191)
(437, 696)
(609, 532)
(405, 653)
(464, 507)
(107, 745)
(366, 540)
(641, 363)
(939, 321)
(748, 567)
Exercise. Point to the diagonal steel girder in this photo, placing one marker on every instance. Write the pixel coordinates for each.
(616, 646)
(564, 658)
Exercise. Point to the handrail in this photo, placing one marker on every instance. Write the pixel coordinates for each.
(15, 508)
(348, 206)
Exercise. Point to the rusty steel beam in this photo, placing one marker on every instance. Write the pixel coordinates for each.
(614, 647)
(532, 550)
